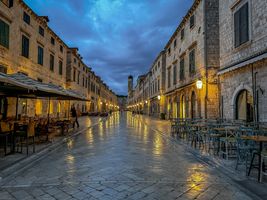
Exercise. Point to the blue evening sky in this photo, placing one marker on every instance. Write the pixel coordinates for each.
(116, 38)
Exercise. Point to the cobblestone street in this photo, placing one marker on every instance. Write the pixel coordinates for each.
(120, 158)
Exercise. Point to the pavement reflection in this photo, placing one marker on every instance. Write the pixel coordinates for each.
(122, 157)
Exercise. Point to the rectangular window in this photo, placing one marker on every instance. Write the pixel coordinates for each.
(169, 50)
(78, 79)
(158, 84)
(60, 70)
(26, 18)
(174, 44)
(41, 31)
(40, 58)
(52, 40)
(61, 48)
(25, 46)
(174, 74)
(192, 62)
(74, 75)
(169, 77)
(241, 25)
(74, 60)
(182, 69)
(192, 21)
(8, 3)
(4, 34)
(182, 34)
(52, 60)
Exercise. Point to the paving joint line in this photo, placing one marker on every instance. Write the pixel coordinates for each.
(31, 160)
(200, 158)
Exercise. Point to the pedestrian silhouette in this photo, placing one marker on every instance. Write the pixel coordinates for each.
(74, 116)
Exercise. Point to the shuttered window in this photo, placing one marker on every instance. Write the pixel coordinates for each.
(192, 21)
(4, 34)
(52, 59)
(60, 70)
(26, 18)
(174, 74)
(169, 77)
(192, 62)
(40, 55)
(182, 34)
(41, 31)
(182, 69)
(25, 46)
(241, 25)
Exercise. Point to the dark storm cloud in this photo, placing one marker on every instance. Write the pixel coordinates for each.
(115, 37)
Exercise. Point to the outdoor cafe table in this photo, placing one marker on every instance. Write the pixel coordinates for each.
(260, 139)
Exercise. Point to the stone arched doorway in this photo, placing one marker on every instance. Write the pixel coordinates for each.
(244, 106)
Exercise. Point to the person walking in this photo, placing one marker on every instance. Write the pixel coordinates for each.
(74, 116)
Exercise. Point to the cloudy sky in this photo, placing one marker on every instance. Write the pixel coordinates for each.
(115, 37)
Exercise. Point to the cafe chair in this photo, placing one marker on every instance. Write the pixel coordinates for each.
(25, 134)
(6, 134)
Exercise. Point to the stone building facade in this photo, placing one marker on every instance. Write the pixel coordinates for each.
(191, 56)
(148, 95)
(29, 46)
(243, 60)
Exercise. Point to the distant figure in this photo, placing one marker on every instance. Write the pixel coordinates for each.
(74, 116)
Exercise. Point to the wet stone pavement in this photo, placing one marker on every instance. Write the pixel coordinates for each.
(120, 158)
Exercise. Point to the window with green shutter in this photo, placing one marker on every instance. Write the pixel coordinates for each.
(60, 67)
(25, 46)
(4, 34)
(192, 62)
(241, 25)
(182, 69)
(52, 62)
(40, 55)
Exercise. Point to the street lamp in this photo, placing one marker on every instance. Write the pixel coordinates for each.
(146, 101)
(158, 97)
(199, 84)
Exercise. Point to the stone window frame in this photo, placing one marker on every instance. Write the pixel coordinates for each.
(169, 77)
(60, 67)
(192, 23)
(24, 34)
(52, 62)
(8, 23)
(235, 7)
(26, 18)
(41, 31)
(174, 71)
(41, 61)
(182, 33)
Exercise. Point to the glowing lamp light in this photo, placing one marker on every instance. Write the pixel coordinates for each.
(101, 103)
(158, 97)
(146, 101)
(199, 84)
